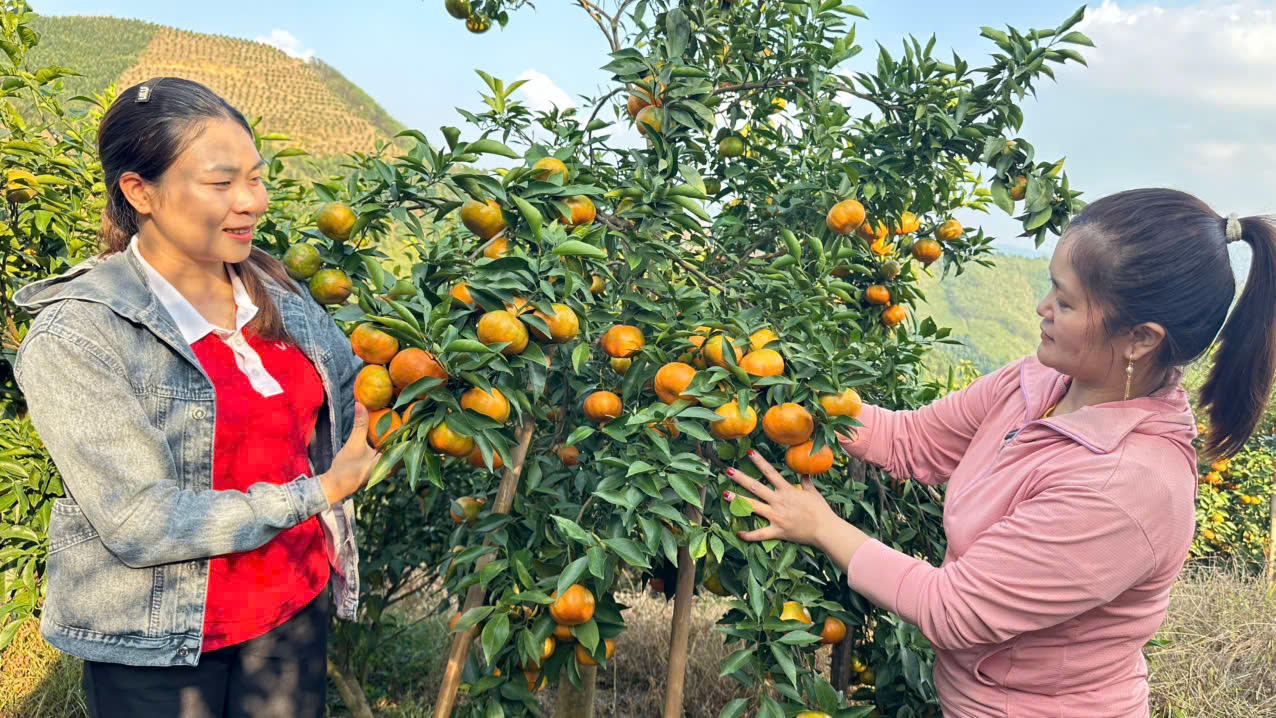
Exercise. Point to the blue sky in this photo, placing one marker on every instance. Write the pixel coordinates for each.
(1179, 94)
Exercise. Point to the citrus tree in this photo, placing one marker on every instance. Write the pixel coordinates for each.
(568, 373)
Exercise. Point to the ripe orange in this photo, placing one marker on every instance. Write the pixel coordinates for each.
(407, 413)
(502, 326)
(497, 248)
(800, 459)
(377, 439)
(714, 353)
(834, 631)
(734, 424)
(642, 98)
(563, 326)
(483, 218)
(584, 659)
(794, 611)
(949, 230)
(602, 406)
(336, 220)
(461, 292)
(668, 427)
(761, 338)
(372, 387)
(563, 634)
(412, 364)
(574, 607)
(494, 405)
(330, 286)
(547, 167)
(845, 217)
(871, 232)
(445, 441)
(596, 285)
(648, 119)
(788, 424)
(845, 404)
(908, 223)
(373, 345)
(1019, 188)
(813, 714)
(583, 211)
(877, 294)
(569, 455)
(763, 362)
(1221, 465)
(671, 380)
(623, 340)
(519, 307)
(893, 315)
(927, 250)
(475, 458)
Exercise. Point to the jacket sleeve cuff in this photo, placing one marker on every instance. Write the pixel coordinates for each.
(306, 496)
(878, 572)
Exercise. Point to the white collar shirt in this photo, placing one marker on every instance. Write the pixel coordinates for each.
(193, 326)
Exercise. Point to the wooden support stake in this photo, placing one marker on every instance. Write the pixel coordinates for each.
(573, 703)
(1271, 546)
(474, 598)
(680, 630)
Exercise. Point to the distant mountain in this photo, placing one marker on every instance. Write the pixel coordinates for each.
(309, 101)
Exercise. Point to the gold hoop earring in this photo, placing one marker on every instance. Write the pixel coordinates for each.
(1129, 374)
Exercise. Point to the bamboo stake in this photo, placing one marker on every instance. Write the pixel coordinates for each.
(474, 598)
(1271, 546)
(680, 630)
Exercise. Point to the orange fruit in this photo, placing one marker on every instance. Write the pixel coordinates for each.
(494, 405)
(483, 218)
(788, 424)
(583, 211)
(761, 338)
(713, 350)
(596, 285)
(877, 294)
(336, 220)
(926, 250)
(497, 248)
(502, 326)
(731, 146)
(949, 230)
(377, 439)
(475, 458)
(372, 387)
(648, 119)
(563, 634)
(734, 424)
(373, 345)
(763, 362)
(908, 223)
(584, 659)
(642, 98)
(574, 607)
(569, 455)
(563, 326)
(1019, 188)
(871, 232)
(459, 9)
(813, 714)
(445, 441)
(845, 217)
(1221, 465)
(547, 167)
(21, 186)
(623, 340)
(657, 585)
(800, 459)
(330, 286)
(407, 413)
(470, 508)
(880, 247)
(893, 315)
(478, 24)
(461, 292)
(834, 631)
(519, 307)
(302, 261)
(412, 364)
(602, 406)
(620, 366)
(671, 380)
(794, 611)
(845, 404)
(668, 427)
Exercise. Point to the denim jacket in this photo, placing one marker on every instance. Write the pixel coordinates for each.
(128, 415)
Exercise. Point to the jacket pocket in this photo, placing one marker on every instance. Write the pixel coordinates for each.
(89, 588)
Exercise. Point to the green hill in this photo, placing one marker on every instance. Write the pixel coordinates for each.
(309, 101)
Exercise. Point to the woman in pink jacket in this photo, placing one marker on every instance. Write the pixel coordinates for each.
(1071, 474)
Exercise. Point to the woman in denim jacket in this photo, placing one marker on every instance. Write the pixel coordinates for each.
(200, 407)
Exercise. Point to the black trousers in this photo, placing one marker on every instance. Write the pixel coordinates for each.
(281, 674)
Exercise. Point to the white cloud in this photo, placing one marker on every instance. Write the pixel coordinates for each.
(288, 43)
(542, 94)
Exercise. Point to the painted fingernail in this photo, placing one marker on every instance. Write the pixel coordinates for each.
(753, 454)
(726, 495)
(730, 472)
(739, 534)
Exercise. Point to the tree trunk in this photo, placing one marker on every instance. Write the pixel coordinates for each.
(680, 630)
(573, 703)
(351, 692)
(840, 666)
(474, 598)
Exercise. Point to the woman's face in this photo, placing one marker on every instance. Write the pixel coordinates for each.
(1073, 339)
(206, 205)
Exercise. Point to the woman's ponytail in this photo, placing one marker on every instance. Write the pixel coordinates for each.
(1244, 362)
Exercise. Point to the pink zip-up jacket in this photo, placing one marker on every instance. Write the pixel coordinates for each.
(1064, 537)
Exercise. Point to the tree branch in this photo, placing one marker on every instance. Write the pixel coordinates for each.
(795, 82)
(621, 225)
(597, 14)
(748, 254)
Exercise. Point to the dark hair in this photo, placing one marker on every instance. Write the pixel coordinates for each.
(147, 137)
(1160, 255)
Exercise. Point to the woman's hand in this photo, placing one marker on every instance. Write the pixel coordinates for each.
(352, 466)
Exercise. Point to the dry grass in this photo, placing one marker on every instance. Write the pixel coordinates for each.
(1221, 659)
(37, 680)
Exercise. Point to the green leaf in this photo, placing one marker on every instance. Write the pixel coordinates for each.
(799, 637)
(491, 147)
(1077, 38)
(734, 708)
(786, 662)
(678, 32)
(495, 634)
(579, 434)
(577, 248)
(741, 506)
(735, 662)
(573, 530)
(1001, 196)
(630, 551)
(587, 634)
(531, 214)
(686, 490)
(1073, 55)
(597, 561)
(574, 570)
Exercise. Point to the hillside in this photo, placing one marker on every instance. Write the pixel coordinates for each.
(309, 101)
(992, 310)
